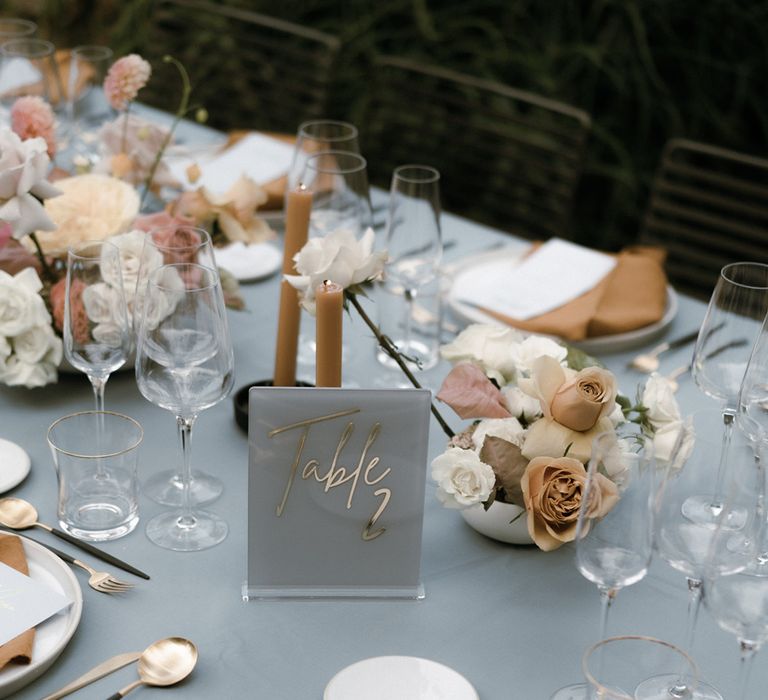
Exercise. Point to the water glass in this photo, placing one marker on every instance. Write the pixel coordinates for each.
(29, 68)
(95, 454)
(320, 135)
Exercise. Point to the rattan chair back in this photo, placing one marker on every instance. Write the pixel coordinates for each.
(708, 207)
(249, 70)
(507, 158)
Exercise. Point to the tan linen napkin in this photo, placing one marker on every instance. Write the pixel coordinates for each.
(19, 649)
(631, 296)
(276, 188)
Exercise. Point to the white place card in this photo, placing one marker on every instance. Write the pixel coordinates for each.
(261, 158)
(25, 603)
(556, 273)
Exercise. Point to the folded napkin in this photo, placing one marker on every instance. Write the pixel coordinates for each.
(631, 296)
(19, 649)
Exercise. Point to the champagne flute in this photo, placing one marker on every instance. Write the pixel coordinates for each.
(614, 542)
(185, 364)
(738, 305)
(320, 135)
(166, 245)
(338, 181)
(97, 338)
(414, 244)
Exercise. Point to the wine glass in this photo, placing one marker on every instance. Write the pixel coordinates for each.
(86, 108)
(166, 245)
(683, 543)
(29, 68)
(320, 135)
(736, 309)
(185, 364)
(338, 181)
(614, 542)
(736, 584)
(97, 337)
(414, 244)
(616, 668)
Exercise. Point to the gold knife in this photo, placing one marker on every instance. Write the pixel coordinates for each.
(103, 669)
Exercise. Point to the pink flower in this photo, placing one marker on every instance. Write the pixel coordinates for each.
(148, 222)
(80, 328)
(32, 116)
(125, 78)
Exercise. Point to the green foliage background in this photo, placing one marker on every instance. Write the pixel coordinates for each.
(646, 70)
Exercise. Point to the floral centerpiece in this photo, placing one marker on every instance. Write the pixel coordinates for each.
(535, 408)
(45, 210)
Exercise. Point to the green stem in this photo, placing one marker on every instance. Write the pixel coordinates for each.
(180, 112)
(47, 272)
(389, 347)
(125, 128)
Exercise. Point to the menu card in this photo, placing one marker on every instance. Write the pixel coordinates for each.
(556, 273)
(25, 602)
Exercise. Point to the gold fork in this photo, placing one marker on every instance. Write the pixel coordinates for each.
(101, 581)
(649, 362)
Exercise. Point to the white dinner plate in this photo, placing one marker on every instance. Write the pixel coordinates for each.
(54, 634)
(401, 677)
(14, 465)
(250, 263)
(617, 342)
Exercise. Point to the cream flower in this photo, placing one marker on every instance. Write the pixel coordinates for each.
(21, 306)
(488, 346)
(23, 172)
(673, 442)
(525, 353)
(508, 429)
(548, 437)
(461, 477)
(659, 398)
(521, 405)
(553, 491)
(338, 257)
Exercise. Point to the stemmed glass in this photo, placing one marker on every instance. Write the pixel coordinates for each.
(738, 305)
(614, 541)
(97, 337)
(167, 245)
(736, 583)
(185, 364)
(316, 136)
(338, 181)
(86, 108)
(29, 68)
(414, 244)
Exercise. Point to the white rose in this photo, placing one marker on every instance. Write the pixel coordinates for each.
(23, 169)
(110, 334)
(102, 303)
(338, 257)
(16, 372)
(525, 353)
(508, 429)
(130, 245)
(520, 405)
(659, 399)
(486, 345)
(674, 441)
(616, 460)
(21, 306)
(461, 477)
(32, 345)
(154, 309)
(617, 416)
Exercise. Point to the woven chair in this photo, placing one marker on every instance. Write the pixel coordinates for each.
(507, 158)
(247, 69)
(708, 207)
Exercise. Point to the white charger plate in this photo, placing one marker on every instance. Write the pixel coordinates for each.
(15, 465)
(250, 263)
(54, 634)
(617, 342)
(400, 677)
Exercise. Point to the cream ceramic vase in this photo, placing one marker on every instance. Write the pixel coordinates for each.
(502, 521)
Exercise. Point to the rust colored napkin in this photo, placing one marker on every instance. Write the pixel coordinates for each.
(631, 296)
(276, 188)
(19, 649)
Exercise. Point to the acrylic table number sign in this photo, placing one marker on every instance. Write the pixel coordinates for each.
(336, 492)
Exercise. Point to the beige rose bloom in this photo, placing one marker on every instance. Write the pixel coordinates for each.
(548, 437)
(553, 490)
(578, 402)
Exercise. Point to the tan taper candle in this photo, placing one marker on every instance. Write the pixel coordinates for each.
(330, 298)
(297, 211)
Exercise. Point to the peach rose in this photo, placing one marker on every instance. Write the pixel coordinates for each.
(80, 324)
(553, 490)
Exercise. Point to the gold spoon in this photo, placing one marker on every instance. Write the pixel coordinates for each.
(18, 514)
(165, 662)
